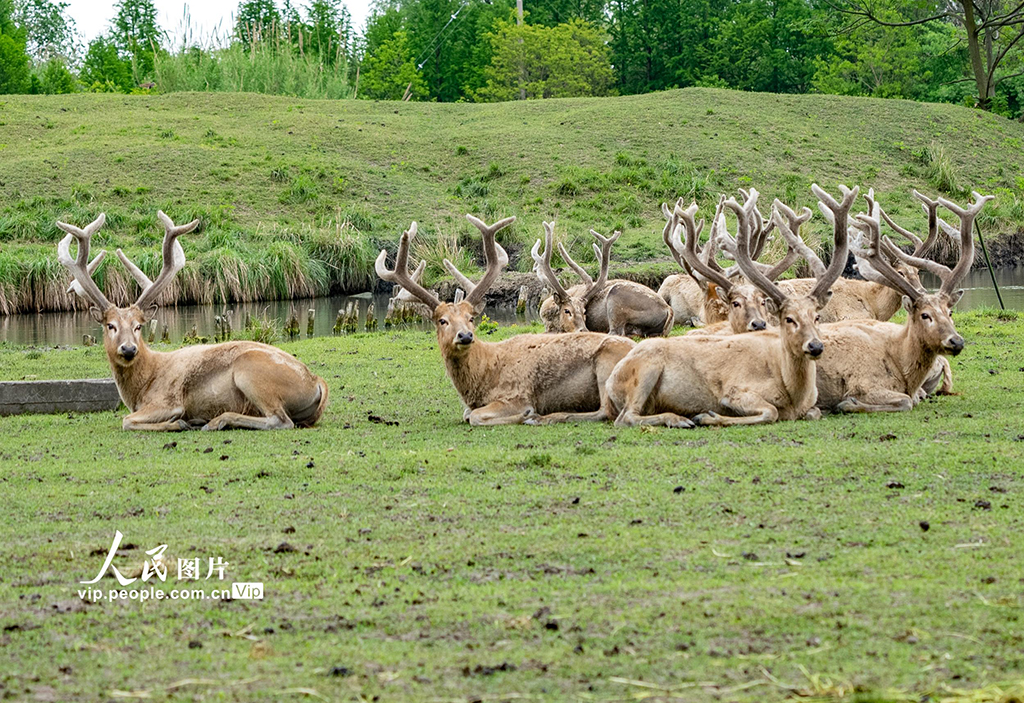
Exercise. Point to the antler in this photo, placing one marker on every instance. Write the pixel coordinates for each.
(951, 278)
(603, 253)
(542, 263)
(80, 267)
(173, 261)
(879, 262)
(495, 258)
(75, 286)
(743, 258)
(404, 295)
(688, 250)
(840, 251)
(400, 275)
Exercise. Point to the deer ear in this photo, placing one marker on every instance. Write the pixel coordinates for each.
(824, 300)
(908, 304)
(150, 312)
(713, 292)
(479, 307)
(771, 306)
(954, 297)
(96, 314)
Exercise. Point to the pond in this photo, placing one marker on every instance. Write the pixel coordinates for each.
(67, 328)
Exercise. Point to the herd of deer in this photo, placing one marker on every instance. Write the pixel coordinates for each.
(767, 349)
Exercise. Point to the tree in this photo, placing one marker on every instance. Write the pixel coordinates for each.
(14, 62)
(256, 21)
(565, 61)
(55, 78)
(390, 70)
(329, 30)
(137, 35)
(103, 68)
(49, 30)
(992, 28)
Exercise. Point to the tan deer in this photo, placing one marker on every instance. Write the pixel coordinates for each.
(744, 379)
(234, 384)
(618, 307)
(529, 378)
(875, 366)
(562, 312)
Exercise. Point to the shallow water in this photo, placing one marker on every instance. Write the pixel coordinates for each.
(67, 328)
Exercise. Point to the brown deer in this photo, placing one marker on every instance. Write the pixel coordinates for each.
(234, 384)
(529, 378)
(564, 312)
(744, 379)
(875, 366)
(618, 307)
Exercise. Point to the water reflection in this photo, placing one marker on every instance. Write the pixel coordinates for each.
(67, 328)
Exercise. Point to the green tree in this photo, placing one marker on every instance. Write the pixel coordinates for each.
(55, 78)
(49, 30)
(103, 68)
(329, 28)
(15, 76)
(137, 35)
(390, 70)
(565, 61)
(255, 21)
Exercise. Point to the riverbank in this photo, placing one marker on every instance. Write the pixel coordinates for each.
(296, 197)
(406, 555)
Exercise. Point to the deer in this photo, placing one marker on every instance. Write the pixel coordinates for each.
(876, 366)
(696, 298)
(745, 379)
(229, 385)
(616, 307)
(527, 379)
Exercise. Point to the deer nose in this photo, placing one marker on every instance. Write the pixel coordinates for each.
(954, 345)
(815, 348)
(464, 338)
(758, 325)
(128, 351)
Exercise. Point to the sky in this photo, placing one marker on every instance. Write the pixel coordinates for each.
(92, 17)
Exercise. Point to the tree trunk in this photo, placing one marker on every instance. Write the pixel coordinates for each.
(981, 77)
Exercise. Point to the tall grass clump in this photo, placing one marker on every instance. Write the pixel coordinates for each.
(940, 171)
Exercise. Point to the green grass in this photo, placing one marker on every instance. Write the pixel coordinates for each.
(260, 170)
(435, 561)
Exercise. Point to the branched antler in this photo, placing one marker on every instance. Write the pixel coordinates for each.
(173, 261)
(80, 267)
(401, 275)
(495, 257)
(542, 263)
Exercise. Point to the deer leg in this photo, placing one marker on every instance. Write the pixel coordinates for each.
(156, 420)
(878, 402)
(751, 410)
(225, 421)
(501, 412)
(636, 398)
(940, 382)
(670, 320)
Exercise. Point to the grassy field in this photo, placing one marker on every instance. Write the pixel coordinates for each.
(297, 196)
(406, 555)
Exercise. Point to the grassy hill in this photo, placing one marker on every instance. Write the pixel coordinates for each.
(297, 196)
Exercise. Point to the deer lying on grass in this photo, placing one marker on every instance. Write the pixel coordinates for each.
(529, 378)
(745, 379)
(618, 307)
(234, 384)
(874, 366)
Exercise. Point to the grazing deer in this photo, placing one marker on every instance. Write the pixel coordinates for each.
(744, 379)
(234, 384)
(617, 306)
(872, 298)
(875, 366)
(529, 378)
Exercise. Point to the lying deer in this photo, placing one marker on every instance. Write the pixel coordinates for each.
(874, 366)
(752, 378)
(529, 378)
(234, 384)
(617, 306)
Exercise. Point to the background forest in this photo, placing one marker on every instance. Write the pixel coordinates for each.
(959, 51)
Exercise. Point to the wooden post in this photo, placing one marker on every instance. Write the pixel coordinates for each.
(371, 319)
(310, 314)
(339, 322)
(521, 302)
(165, 337)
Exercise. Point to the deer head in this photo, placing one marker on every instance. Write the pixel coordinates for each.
(561, 312)
(122, 338)
(929, 315)
(456, 322)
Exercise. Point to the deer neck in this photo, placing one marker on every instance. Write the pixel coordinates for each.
(800, 380)
(134, 381)
(473, 372)
(887, 301)
(913, 358)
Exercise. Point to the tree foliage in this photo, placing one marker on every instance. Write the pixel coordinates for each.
(103, 69)
(565, 61)
(137, 35)
(49, 30)
(14, 62)
(391, 70)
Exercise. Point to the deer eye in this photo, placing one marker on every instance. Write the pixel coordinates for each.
(472, 320)
(925, 316)
(789, 320)
(568, 311)
(443, 321)
(735, 304)
(110, 327)
(817, 318)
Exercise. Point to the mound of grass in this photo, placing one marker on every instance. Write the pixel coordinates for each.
(259, 168)
(408, 556)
